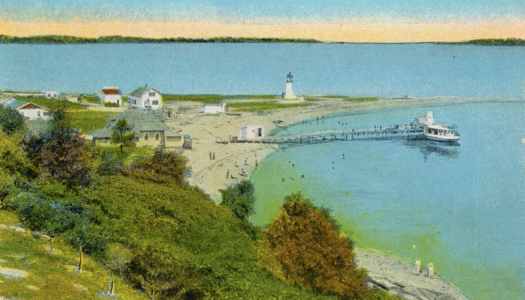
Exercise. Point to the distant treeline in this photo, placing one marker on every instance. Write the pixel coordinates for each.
(65, 39)
(496, 42)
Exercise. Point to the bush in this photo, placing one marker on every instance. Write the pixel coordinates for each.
(111, 104)
(161, 167)
(304, 247)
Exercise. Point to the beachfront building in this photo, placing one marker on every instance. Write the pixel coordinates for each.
(28, 110)
(110, 95)
(50, 94)
(213, 108)
(148, 126)
(249, 132)
(146, 98)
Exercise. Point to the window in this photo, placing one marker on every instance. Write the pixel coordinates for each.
(152, 94)
(155, 102)
(157, 136)
(38, 113)
(146, 136)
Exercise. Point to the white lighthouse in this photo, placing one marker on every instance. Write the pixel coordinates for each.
(288, 94)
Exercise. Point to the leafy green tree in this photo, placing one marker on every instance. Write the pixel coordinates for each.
(303, 246)
(239, 199)
(11, 121)
(65, 155)
(162, 166)
(122, 135)
(153, 270)
(116, 257)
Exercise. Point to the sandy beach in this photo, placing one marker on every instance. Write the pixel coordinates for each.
(232, 162)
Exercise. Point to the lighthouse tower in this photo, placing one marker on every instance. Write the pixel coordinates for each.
(288, 94)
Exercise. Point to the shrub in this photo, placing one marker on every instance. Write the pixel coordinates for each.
(162, 167)
(303, 246)
(111, 104)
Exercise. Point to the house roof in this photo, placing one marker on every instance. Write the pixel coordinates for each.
(111, 91)
(139, 91)
(139, 120)
(17, 103)
(5, 97)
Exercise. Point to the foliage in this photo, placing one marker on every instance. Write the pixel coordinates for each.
(162, 166)
(65, 155)
(116, 257)
(122, 135)
(361, 99)
(307, 249)
(16, 168)
(64, 39)
(11, 121)
(111, 104)
(239, 199)
(494, 42)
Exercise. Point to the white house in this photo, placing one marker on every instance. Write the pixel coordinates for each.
(28, 110)
(251, 132)
(111, 95)
(50, 94)
(213, 108)
(144, 97)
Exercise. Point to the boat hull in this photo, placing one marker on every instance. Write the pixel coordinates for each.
(443, 139)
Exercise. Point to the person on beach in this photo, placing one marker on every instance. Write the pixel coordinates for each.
(417, 266)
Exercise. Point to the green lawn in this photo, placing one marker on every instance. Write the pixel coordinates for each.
(51, 103)
(51, 276)
(361, 99)
(87, 120)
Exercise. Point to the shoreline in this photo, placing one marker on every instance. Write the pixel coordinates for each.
(384, 271)
(239, 160)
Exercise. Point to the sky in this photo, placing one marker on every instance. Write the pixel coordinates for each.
(338, 20)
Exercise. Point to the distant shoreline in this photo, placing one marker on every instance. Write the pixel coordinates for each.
(117, 39)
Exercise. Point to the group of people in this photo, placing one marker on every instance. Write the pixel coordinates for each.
(429, 270)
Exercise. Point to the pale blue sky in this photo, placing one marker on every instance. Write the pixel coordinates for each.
(274, 11)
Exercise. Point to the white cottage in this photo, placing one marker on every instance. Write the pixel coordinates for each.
(144, 97)
(28, 110)
(251, 132)
(110, 95)
(50, 94)
(213, 108)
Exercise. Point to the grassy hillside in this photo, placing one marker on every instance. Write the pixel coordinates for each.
(51, 276)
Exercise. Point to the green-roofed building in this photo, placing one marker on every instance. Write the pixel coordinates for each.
(148, 125)
(28, 110)
(145, 98)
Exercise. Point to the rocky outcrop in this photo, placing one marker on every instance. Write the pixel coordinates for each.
(398, 277)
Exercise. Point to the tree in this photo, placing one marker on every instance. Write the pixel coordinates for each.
(122, 135)
(239, 199)
(65, 155)
(153, 270)
(162, 166)
(11, 121)
(303, 246)
(117, 256)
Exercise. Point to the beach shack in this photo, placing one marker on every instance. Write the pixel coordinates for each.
(148, 126)
(50, 94)
(145, 98)
(187, 142)
(213, 108)
(28, 110)
(110, 95)
(249, 132)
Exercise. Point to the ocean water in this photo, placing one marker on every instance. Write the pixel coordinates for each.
(460, 207)
(383, 70)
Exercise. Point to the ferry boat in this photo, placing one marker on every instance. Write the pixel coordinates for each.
(438, 132)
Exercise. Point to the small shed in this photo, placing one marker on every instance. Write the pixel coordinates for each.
(213, 108)
(251, 132)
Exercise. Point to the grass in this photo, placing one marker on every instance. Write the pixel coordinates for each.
(269, 106)
(311, 98)
(52, 274)
(212, 98)
(92, 98)
(51, 103)
(87, 120)
(332, 96)
(361, 99)
(129, 153)
(8, 217)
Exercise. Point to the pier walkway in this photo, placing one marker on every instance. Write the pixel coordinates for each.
(411, 132)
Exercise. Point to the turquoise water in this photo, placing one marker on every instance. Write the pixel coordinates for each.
(460, 207)
(384, 70)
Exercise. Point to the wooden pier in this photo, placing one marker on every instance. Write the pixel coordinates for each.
(411, 132)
